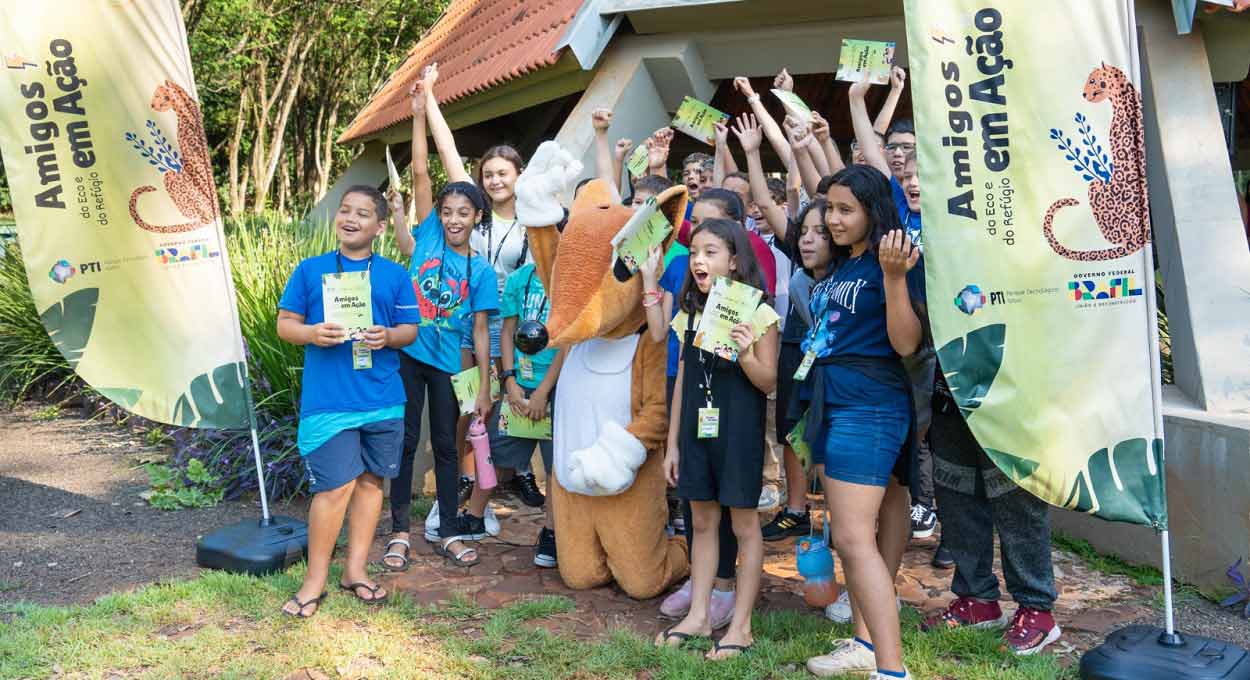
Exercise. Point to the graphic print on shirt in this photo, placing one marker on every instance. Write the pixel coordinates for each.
(437, 299)
(835, 297)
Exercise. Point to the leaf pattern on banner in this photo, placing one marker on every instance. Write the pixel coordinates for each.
(199, 406)
(971, 363)
(1015, 467)
(122, 396)
(69, 323)
(1126, 485)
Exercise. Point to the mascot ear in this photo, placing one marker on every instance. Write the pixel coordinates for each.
(672, 203)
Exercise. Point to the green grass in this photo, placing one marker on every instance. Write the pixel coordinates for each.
(1141, 574)
(223, 625)
(49, 412)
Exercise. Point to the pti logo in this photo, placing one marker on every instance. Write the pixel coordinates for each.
(61, 271)
(970, 299)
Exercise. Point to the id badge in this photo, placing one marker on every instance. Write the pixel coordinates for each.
(362, 356)
(709, 423)
(525, 368)
(804, 368)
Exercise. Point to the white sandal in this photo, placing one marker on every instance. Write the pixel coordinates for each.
(398, 555)
(444, 550)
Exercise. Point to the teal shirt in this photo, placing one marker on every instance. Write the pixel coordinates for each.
(319, 428)
(525, 298)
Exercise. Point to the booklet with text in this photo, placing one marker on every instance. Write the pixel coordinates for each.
(637, 163)
(729, 303)
(648, 227)
(795, 106)
(696, 119)
(467, 383)
(865, 57)
(514, 424)
(347, 300)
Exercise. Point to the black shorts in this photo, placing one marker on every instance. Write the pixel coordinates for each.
(733, 478)
(787, 363)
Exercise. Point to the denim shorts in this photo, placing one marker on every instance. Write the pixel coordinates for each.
(496, 329)
(863, 442)
(374, 448)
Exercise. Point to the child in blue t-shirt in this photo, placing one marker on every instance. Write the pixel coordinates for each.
(351, 423)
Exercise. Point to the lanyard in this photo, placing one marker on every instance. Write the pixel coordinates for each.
(490, 242)
(542, 306)
(705, 367)
(338, 261)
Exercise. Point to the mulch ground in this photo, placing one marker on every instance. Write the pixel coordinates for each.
(74, 528)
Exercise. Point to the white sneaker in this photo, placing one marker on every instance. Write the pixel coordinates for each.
(879, 676)
(840, 611)
(432, 523)
(848, 656)
(770, 498)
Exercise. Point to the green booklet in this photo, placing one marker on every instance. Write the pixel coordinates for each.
(514, 424)
(798, 445)
(696, 119)
(466, 385)
(729, 303)
(346, 300)
(637, 163)
(392, 172)
(647, 227)
(865, 57)
(795, 106)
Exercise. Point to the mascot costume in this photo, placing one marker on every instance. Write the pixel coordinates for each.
(610, 419)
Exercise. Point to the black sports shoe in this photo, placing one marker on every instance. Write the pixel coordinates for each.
(786, 524)
(525, 486)
(942, 558)
(923, 521)
(472, 527)
(465, 489)
(545, 553)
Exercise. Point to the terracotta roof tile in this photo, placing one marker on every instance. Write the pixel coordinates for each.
(478, 44)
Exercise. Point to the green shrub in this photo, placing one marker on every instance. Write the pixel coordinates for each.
(29, 362)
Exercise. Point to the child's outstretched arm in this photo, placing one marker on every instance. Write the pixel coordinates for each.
(750, 137)
(820, 130)
(653, 295)
(772, 132)
(723, 161)
(657, 151)
(800, 141)
(444, 141)
(403, 235)
(422, 185)
(864, 134)
(898, 78)
(601, 119)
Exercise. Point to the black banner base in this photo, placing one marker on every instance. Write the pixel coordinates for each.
(254, 547)
(1147, 653)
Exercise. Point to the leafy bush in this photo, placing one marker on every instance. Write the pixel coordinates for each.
(173, 489)
(29, 362)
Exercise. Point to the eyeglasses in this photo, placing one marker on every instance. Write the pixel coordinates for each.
(904, 147)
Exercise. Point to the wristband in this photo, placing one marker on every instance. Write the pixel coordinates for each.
(510, 373)
(754, 98)
(651, 298)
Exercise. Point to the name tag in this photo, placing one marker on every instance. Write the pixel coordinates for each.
(709, 423)
(362, 356)
(804, 368)
(525, 367)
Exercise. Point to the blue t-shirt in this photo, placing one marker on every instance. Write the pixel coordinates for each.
(910, 220)
(525, 298)
(330, 384)
(848, 312)
(449, 287)
(674, 275)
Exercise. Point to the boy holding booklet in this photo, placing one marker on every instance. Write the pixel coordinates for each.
(351, 425)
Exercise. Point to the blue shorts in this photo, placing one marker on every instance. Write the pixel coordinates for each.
(862, 443)
(374, 448)
(496, 330)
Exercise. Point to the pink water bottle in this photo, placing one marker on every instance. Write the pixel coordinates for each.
(481, 455)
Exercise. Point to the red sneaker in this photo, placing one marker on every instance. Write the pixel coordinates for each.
(1031, 630)
(967, 611)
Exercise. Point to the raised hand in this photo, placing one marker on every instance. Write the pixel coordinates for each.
(650, 268)
(859, 88)
(820, 128)
(395, 201)
(784, 81)
(798, 132)
(601, 119)
(417, 93)
(429, 76)
(743, 336)
(621, 151)
(897, 254)
(749, 133)
(743, 85)
(657, 147)
(721, 131)
(898, 78)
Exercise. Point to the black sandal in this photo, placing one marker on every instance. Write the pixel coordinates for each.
(717, 648)
(373, 592)
(670, 634)
(299, 613)
(391, 554)
(444, 550)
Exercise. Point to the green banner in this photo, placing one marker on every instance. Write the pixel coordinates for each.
(1037, 232)
(116, 208)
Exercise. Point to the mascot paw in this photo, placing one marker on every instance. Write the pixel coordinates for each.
(550, 172)
(608, 466)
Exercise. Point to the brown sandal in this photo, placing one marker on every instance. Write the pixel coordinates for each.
(299, 613)
(373, 592)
